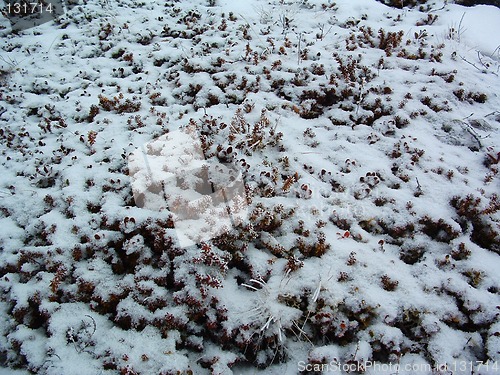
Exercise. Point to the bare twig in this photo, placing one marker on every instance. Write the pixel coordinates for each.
(460, 30)
(322, 33)
(10, 62)
(474, 134)
(298, 50)
(486, 65)
(419, 187)
(361, 95)
(481, 60)
(495, 50)
(474, 65)
(492, 113)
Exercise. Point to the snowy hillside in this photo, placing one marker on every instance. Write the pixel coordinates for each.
(368, 141)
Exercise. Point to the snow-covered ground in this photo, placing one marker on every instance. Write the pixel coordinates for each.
(368, 138)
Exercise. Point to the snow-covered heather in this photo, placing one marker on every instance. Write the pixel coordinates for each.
(369, 140)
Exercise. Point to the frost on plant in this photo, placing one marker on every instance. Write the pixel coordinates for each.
(207, 198)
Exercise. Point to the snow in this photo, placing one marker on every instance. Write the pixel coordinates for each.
(360, 163)
(481, 36)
